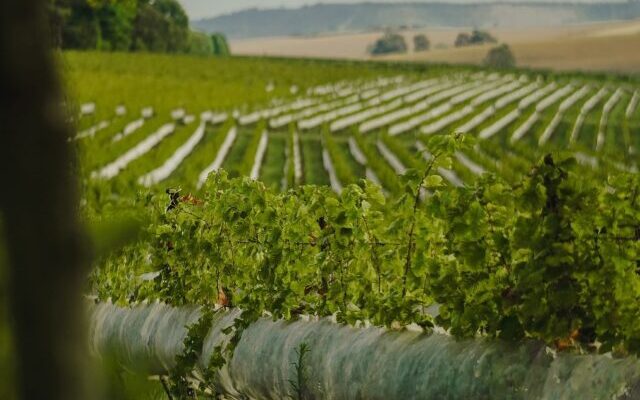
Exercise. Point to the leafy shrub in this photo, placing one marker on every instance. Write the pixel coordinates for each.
(500, 57)
(463, 39)
(481, 37)
(550, 260)
(476, 37)
(554, 258)
(220, 45)
(388, 44)
(421, 43)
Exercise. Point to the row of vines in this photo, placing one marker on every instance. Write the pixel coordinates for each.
(554, 258)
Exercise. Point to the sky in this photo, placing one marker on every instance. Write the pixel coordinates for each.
(208, 8)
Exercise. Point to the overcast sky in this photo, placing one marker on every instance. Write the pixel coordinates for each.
(208, 8)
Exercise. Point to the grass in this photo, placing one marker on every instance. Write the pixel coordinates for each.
(159, 154)
(614, 133)
(187, 174)
(314, 172)
(196, 83)
(98, 154)
(272, 170)
(234, 161)
(562, 134)
(343, 147)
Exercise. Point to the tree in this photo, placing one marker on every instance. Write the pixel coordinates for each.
(421, 43)
(81, 29)
(474, 38)
(161, 26)
(149, 30)
(176, 22)
(389, 43)
(150, 25)
(200, 44)
(500, 57)
(463, 39)
(92, 24)
(481, 37)
(116, 24)
(220, 45)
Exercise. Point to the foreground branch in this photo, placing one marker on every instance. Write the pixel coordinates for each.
(38, 203)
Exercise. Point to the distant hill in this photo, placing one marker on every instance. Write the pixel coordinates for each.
(331, 18)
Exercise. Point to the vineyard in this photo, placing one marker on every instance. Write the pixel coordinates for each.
(326, 229)
(369, 124)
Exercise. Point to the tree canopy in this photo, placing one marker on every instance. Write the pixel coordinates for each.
(220, 45)
(500, 57)
(389, 43)
(421, 43)
(475, 37)
(126, 25)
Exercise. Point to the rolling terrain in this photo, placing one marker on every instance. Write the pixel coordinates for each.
(610, 46)
(362, 17)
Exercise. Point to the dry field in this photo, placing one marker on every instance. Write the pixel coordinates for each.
(595, 47)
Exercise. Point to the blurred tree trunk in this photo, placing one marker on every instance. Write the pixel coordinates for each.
(39, 208)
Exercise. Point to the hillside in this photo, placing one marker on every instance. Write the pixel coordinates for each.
(325, 18)
(602, 46)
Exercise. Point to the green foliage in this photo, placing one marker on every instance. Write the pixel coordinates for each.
(290, 167)
(301, 252)
(186, 363)
(475, 38)
(388, 44)
(195, 83)
(123, 25)
(421, 43)
(387, 176)
(412, 160)
(500, 57)
(299, 384)
(161, 26)
(115, 19)
(186, 174)
(110, 236)
(544, 261)
(340, 163)
(200, 44)
(554, 258)
(78, 27)
(102, 24)
(248, 159)
(463, 39)
(220, 45)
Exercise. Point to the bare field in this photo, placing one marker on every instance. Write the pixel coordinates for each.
(613, 46)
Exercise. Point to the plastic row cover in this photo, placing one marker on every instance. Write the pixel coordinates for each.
(359, 363)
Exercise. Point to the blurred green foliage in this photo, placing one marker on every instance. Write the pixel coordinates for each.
(128, 25)
(388, 44)
(500, 57)
(421, 43)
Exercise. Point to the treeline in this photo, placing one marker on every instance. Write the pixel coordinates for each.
(129, 25)
(476, 37)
